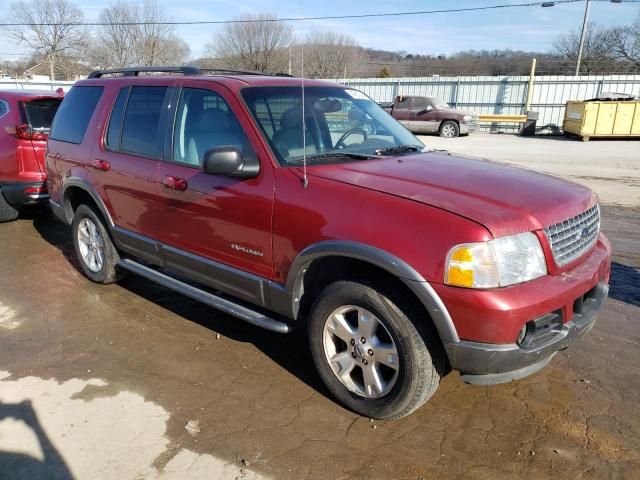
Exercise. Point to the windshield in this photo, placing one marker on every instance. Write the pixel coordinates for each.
(341, 125)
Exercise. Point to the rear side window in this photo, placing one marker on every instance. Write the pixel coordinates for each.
(74, 114)
(143, 124)
(39, 113)
(403, 102)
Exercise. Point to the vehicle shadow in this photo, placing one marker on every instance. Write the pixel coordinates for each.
(15, 465)
(625, 284)
(290, 351)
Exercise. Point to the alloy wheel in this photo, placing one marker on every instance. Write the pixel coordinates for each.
(91, 245)
(360, 351)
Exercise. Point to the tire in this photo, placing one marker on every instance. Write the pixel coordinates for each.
(415, 370)
(95, 250)
(449, 129)
(7, 212)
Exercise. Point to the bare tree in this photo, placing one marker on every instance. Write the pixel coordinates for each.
(596, 56)
(131, 35)
(329, 54)
(49, 28)
(114, 46)
(624, 42)
(259, 43)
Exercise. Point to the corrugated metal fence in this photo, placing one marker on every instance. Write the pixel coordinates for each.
(502, 95)
(488, 95)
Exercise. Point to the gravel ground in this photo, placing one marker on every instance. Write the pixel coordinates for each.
(610, 167)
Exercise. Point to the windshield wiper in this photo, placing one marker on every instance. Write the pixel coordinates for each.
(357, 156)
(398, 149)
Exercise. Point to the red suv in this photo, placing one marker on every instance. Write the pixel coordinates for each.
(264, 197)
(25, 119)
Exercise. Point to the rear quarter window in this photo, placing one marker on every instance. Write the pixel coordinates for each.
(74, 114)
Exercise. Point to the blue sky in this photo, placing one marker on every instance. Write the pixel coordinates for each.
(532, 28)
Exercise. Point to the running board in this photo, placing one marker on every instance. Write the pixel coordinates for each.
(219, 303)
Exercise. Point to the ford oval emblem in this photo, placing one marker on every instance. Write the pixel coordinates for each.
(585, 233)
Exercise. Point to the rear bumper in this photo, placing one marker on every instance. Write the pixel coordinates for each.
(485, 363)
(23, 194)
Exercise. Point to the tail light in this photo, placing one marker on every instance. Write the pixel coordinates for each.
(25, 132)
(35, 190)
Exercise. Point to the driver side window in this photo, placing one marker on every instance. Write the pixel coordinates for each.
(421, 103)
(205, 121)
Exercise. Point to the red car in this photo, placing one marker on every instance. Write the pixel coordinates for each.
(275, 204)
(25, 119)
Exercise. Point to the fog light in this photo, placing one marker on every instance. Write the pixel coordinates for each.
(522, 334)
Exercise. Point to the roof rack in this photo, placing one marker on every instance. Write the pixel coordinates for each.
(135, 71)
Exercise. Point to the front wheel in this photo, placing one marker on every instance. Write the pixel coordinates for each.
(372, 352)
(449, 129)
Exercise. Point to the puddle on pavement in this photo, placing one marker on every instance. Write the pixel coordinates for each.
(8, 318)
(65, 430)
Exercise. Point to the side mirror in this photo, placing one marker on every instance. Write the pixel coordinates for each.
(427, 109)
(227, 161)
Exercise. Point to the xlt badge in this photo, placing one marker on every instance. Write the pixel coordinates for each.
(250, 251)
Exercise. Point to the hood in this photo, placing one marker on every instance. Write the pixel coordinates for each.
(459, 111)
(505, 199)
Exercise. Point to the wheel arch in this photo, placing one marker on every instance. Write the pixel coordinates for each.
(76, 191)
(448, 119)
(345, 256)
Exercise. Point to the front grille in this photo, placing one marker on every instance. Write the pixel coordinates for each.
(573, 237)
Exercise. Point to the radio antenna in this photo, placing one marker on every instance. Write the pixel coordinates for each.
(305, 179)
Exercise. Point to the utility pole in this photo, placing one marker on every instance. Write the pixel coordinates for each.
(532, 76)
(583, 35)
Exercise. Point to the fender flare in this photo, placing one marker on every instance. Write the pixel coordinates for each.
(86, 186)
(381, 259)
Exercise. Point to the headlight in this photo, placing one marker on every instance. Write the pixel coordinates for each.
(467, 118)
(496, 263)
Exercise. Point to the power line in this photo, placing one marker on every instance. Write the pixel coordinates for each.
(298, 19)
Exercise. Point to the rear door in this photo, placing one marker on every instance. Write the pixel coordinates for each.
(126, 164)
(401, 110)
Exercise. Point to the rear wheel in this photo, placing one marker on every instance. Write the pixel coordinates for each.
(96, 253)
(7, 212)
(449, 129)
(371, 352)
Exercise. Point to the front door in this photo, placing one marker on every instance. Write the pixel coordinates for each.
(424, 116)
(216, 228)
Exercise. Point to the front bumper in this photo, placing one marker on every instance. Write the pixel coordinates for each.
(466, 128)
(23, 194)
(560, 308)
(486, 364)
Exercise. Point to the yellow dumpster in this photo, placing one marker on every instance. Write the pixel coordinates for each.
(594, 119)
